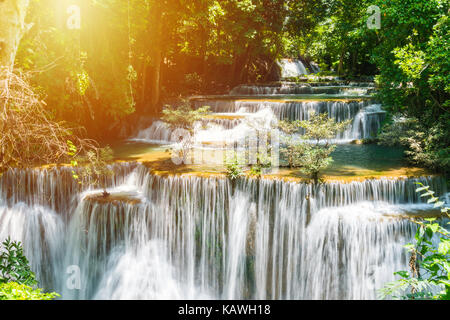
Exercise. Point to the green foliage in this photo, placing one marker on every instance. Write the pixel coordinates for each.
(430, 260)
(193, 82)
(412, 57)
(410, 61)
(332, 33)
(73, 150)
(234, 167)
(423, 147)
(14, 265)
(17, 281)
(84, 74)
(290, 149)
(315, 158)
(312, 156)
(94, 167)
(83, 82)
(183, 117)
(437, 56)
(262, 162)
(17, 291)
(320, 127)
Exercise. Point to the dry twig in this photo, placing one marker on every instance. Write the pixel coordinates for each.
(28, 135)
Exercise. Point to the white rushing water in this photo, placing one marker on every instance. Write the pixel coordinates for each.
(300, 88)
(207, 238)
(291, 68)
(202, 238)
(366, 121)
(233, 118)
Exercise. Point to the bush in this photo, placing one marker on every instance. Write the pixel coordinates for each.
(193, 82)
(183, 117)
(311, 156)
(429, 262)
(234, 167)
(94, 167)
(17, 291)
(14, 265)
(17, 281)
(262, 162)
(29, 136)
(423, 147)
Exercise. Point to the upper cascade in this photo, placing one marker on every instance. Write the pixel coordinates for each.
(248, 105)
(291, 68)
(289, 88)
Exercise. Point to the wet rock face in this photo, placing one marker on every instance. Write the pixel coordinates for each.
(114, 198)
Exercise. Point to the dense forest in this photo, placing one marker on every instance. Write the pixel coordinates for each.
(128, 58)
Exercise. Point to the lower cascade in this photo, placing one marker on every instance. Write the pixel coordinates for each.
(180, 237)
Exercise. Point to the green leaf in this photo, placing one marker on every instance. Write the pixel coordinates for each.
(439, 204)
(444, 247)
(429, 232)
(403, 274)
(429, 193)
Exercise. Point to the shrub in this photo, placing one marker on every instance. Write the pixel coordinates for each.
(423, 147)
(14, 265)
(94, 167)
(234, 167)
(17, 291)
(311, 156)
(17, 281)
(29, 136)
(183, 117)
(429, 262)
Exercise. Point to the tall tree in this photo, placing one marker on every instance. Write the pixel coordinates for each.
(12, 29)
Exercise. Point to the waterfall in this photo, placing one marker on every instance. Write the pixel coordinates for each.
(40, 230)
(289, 110)
(158, 133)
(292, 68)
(231, 113)
(297, 89)
(368, 122)
(315, 67)
(366, 118)
(190, 237)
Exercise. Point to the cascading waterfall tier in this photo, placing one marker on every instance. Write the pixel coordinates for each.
(207, 238)
(366, 118)
(288, 110)
(296, 89)
(234, 115)
(291, 68)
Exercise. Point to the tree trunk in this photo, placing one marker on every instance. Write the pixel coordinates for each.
(341, 62)
(154, 76)
(204, 51)
(12, 28)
